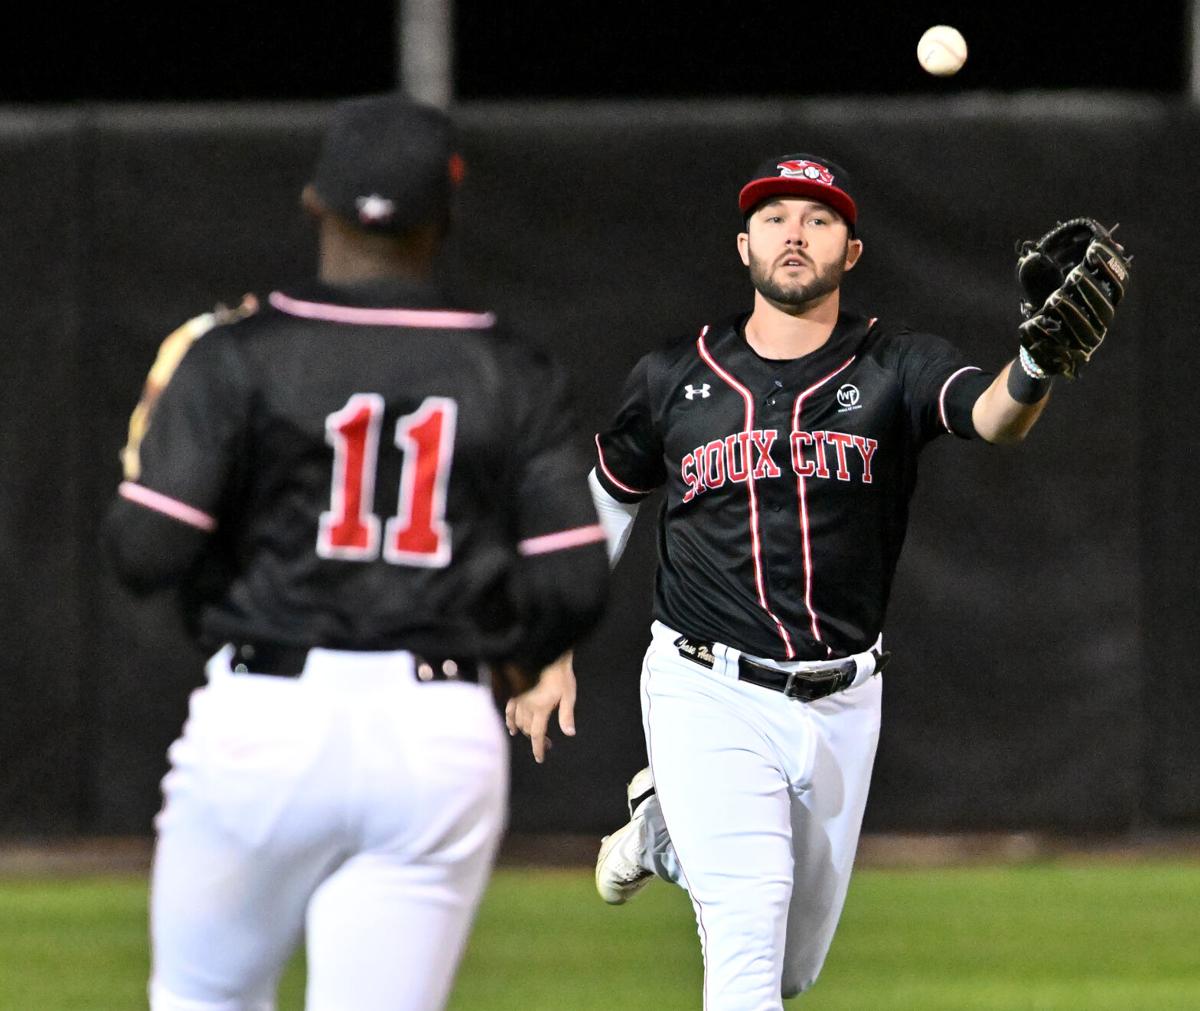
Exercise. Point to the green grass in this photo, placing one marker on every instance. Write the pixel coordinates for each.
(1029, 938)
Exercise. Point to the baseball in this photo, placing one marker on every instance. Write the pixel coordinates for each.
(942, 50)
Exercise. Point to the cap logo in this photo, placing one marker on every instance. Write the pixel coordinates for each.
(806, 170)
(375, 210)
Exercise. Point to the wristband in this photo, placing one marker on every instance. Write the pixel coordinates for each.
(1023, 386)
(1030, 367)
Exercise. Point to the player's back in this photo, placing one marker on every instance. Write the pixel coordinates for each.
(374, 469)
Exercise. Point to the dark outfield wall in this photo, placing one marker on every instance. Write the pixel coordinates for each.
(1042, 620)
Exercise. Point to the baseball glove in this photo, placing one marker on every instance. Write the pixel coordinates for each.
(1073, 278)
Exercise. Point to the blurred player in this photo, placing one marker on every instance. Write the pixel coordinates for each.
(786, 439)
(372, 500)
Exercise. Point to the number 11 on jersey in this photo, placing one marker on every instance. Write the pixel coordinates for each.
(418, 533)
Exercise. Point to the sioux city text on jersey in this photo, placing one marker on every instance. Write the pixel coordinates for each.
(786, 482)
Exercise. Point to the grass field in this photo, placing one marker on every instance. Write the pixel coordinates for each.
(1123, 937)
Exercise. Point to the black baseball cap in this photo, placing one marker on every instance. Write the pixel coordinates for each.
(801, 175)
(388, 164)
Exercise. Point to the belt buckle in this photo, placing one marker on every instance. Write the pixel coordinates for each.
(789, 686)
(819, 684)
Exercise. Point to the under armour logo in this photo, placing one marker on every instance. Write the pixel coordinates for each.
(692, 392)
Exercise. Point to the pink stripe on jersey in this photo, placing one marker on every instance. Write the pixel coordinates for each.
(561, 540)
(611, 476)
(755, 540)
(439, 319)
(177, 510)
(942, 395)
(803, 497)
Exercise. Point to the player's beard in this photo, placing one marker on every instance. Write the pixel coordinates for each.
(797, 294)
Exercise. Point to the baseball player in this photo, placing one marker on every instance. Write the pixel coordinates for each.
(786, 441)
(372, 501)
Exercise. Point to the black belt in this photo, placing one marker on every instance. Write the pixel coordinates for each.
(804, 685)
(288, 662)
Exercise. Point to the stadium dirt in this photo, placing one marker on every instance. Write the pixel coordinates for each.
(38, 857)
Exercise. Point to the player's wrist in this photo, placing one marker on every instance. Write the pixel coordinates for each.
(1027, 382)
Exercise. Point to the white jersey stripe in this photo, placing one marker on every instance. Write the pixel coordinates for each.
(166, 505)
(755, 542)
(561, 540)
(802, 495)
(942, 395)
(437, 319)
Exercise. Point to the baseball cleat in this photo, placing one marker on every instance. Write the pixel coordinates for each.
(619, 871)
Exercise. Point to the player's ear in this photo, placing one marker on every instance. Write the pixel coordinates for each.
(311, 203)
(854, 249)
(743, 244)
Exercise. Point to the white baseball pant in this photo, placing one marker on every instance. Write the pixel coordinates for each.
(354, 805)
(757, 814)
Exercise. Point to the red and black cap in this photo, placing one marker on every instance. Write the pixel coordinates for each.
(388, 164)
(800, 175)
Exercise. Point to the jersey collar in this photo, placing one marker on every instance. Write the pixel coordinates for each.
(848, 336)
(390, 303)
(390, 293)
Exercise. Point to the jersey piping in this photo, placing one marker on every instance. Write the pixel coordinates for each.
(166, 505)
(611, 476)
(942, 395)
(801, 494)
(435, 319)
(562, 540)
(755, 541)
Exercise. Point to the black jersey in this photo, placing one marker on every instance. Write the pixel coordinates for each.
(787, 483)
(363, 469)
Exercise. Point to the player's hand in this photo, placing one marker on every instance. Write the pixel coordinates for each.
(530, 711)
